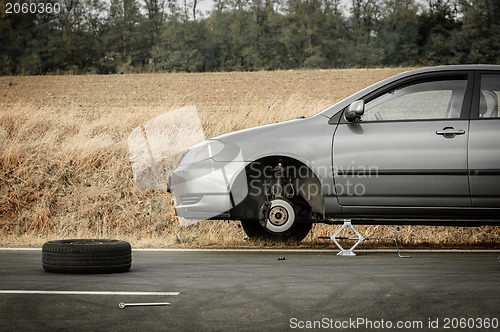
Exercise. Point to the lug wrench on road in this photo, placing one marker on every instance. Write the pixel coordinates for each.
(122, 305)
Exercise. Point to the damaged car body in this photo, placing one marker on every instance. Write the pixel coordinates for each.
(421, 147)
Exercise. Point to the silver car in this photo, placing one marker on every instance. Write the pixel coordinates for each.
(421, 147)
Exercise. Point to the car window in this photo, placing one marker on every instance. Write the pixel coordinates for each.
(488, 99)
(441, 99)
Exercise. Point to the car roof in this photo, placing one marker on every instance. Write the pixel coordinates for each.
(456, 67)
(478, 67)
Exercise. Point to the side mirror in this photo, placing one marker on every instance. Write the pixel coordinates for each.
(355, 111)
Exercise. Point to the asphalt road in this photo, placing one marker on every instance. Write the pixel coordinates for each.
(254, 291)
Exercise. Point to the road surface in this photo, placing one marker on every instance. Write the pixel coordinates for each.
(254, 291)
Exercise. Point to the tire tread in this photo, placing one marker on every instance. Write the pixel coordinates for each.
(86, 256)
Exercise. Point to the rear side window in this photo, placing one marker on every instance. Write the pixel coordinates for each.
(438, 99)
(488, 97)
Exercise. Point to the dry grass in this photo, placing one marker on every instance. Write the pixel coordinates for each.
(65, 170)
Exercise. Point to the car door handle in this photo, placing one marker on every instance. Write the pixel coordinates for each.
(450, 132)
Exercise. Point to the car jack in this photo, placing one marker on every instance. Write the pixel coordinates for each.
(359, 238)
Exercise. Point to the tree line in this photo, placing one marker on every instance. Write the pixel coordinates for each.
(117, 36)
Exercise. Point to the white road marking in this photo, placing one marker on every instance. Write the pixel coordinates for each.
(332, 250)
(23, 249)
(227, 250)
(289, 250)
(86, 293)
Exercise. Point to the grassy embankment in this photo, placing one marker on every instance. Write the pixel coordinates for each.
(65, 170)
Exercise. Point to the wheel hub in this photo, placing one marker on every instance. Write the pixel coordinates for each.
(278, 216)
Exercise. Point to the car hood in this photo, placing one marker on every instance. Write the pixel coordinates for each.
(259, 130)
(288, 138)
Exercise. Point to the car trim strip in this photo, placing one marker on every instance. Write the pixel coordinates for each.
(376, 172)
(484, 172)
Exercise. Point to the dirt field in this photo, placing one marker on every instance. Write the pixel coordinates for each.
(65, 170)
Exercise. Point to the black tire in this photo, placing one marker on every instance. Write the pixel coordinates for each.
(254, 230)
(86, 256)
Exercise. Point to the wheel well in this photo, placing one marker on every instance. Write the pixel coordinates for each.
(298, 183)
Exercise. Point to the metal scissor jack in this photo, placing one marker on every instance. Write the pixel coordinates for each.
(359, 238)
(335, 237)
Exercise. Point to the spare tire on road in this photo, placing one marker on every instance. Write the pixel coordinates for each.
(86, 256)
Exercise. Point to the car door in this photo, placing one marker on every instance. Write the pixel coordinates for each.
(409, 149)
(484, 142)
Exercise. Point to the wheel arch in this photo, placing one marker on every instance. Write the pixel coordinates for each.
(310, 184)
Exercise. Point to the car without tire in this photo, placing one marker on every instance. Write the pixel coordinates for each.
(421, 147)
